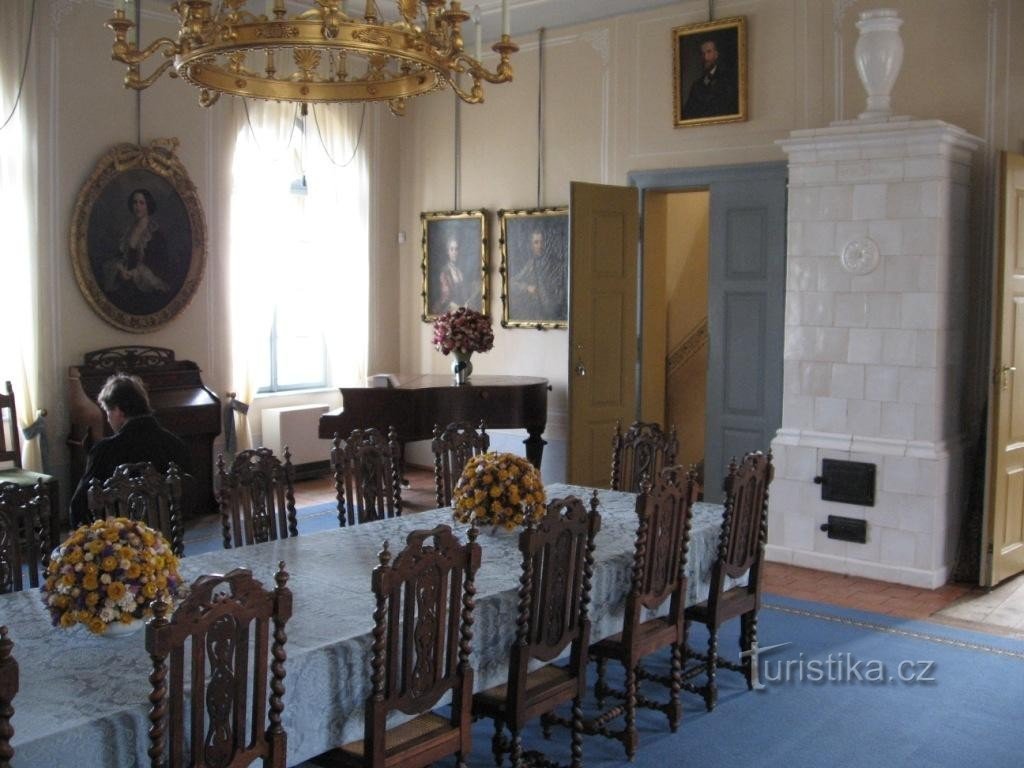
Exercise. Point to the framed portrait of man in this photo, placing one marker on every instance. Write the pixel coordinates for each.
(454, 262)
(535, 268)
(709, 79)
(138, 237)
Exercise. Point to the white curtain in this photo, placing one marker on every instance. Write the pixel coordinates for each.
(19, 353)
(312, 245)
(336, 148)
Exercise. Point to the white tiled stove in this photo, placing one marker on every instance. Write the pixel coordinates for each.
(873, 344)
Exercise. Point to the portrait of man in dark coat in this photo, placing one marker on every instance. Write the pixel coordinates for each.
(710, 75)
(714, 92)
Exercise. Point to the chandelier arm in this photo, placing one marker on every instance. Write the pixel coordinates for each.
(132, 79)
(474, 95)
(128, 54)
(479, 72)
(503, 75)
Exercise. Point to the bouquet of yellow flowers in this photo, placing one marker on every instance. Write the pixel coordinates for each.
(107, 572)
(498, 489)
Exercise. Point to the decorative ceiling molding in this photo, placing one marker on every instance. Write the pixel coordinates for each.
(601, 41)
(839, 9)
(59, 9)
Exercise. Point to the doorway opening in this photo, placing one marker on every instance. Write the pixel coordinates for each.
(675, 307)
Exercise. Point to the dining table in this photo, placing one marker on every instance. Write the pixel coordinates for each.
(83, 698)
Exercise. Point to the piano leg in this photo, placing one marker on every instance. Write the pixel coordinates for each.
(535, 445)
(401, 466)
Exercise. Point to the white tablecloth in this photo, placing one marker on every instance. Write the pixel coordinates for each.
(84, 699)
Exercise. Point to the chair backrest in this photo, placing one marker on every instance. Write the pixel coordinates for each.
(366, 476)
(10, 444)
(139, 491)
(554, 589)
(664, 514)
(24, 525)
(226, 622)
(8, 689)
(644, 451)
(256, 497)
(744, 523)
(423, 629)
(453, 447)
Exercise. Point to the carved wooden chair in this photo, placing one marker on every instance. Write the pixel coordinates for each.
(230, 719)
(24, 541)
(256, 497)
(141, 492)
(10, 454)
(643, 451)
(423, 630)
(366, 476)
(659, 574)
(453, 447)
(554, 594)
(740, 550)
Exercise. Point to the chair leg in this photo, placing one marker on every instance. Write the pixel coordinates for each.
(748, 638)
(516, 755)
(711, 690)
(600, 687)
(675, 711)
(498, 743)
(629, 737)
(577, 733)
(546, 721)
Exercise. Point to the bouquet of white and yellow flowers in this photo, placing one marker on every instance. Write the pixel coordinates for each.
(498, 489)
(110, 572)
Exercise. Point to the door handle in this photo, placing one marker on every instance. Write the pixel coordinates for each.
(1005, 374)
(581, 369)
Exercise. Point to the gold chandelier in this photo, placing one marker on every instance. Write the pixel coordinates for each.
(322, 54)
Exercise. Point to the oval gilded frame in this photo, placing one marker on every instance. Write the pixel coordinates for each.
(117, 289)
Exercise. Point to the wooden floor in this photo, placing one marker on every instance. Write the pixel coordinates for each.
(999, 610)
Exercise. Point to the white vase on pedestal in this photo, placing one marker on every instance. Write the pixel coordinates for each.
(879, 56)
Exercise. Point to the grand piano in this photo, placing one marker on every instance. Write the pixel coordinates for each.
(181, 402)
(414, 404)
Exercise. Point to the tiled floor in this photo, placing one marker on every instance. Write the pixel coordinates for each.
(999, 610)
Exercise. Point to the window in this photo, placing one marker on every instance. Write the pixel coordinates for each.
(19, 361)
(298, 250)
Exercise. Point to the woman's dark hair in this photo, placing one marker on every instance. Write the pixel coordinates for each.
(127, 393)
(147, 195)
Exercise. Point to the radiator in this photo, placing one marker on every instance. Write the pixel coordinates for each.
(296, 426)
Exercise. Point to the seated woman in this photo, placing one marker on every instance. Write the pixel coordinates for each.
(137, 437)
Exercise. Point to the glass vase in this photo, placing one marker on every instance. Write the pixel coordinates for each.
(462, 367)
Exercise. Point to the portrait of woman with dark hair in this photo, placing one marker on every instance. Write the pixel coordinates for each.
(138, 237)
(129, 273)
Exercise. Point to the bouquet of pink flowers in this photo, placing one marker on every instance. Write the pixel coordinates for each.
(463, 330)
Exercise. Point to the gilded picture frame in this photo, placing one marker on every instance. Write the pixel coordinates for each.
(454, 262)
(535, 268)
(138, 237)
(709, 72)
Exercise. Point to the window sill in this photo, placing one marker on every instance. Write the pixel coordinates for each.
(296, 393)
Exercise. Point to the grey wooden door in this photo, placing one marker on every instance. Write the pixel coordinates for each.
(746, 302)
(746, 308)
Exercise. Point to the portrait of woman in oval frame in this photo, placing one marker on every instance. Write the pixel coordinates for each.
(138, 237)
